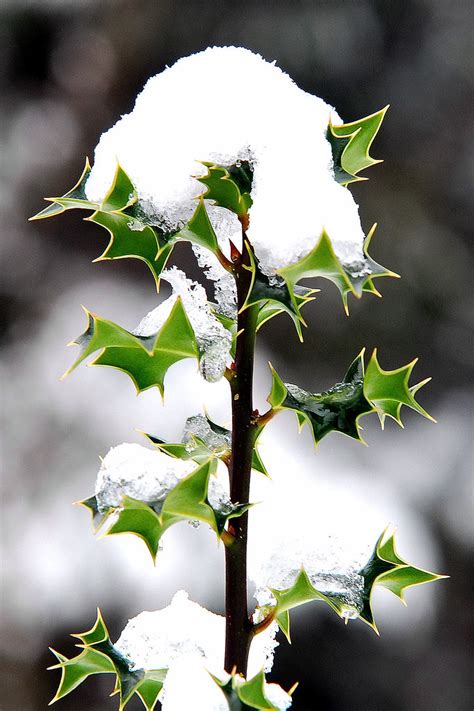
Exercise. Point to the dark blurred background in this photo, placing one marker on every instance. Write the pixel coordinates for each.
(68, 69)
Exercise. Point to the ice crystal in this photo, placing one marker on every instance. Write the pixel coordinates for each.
(225, 292)
(213, 339)
(156, 640)
(215, 438)
(281, 134)
(141, 473)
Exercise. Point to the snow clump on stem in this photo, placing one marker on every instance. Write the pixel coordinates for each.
(188, 640)
(225, 105)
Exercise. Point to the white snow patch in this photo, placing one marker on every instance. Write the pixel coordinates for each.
(196, 111)
(188, 685)
(156, 640)
(141, 473)
(213, 339)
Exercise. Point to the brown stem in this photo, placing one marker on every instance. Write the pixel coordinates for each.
(239, 629)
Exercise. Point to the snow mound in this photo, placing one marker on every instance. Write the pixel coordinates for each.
(184, 629)
(225, 105)
(141, 473)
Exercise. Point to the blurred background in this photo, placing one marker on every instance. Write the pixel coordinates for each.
(68, 69)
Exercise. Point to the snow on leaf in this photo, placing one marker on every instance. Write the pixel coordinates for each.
(100, 656)
(354, 278)
(254, 693)
(145, 359)
(194, 497)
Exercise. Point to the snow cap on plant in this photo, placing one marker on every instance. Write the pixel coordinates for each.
(250, 114)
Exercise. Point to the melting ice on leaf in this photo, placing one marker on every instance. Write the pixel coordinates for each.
(352, 599)
(100, 656)
(350, 144)
(203, 438)
(360, 392)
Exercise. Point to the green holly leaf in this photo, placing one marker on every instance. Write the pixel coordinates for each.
(350, 144)
(141, 520)
(100, 656)
(275, 296)
(323, 262)
(335, 410)
(340, 408)
(199, 229)
(76, 670)
(145, 360)
(389, 390)
(228, 187)
(385, 567)
(188, 500)
(74, 198)
(272, 308)
(217, 444)
(130, 238)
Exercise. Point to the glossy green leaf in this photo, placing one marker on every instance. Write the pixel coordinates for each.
(199, 449)
(144, 359)
(199, 229)
(340, 408)
(385, 567)
(388, 390)
(350, 144)
(132, 239)
(279, 294)
(323, 262)
(188, 500)
(335, 410)
(74, 198)
(142, 520)
(130, 235)
(100, 656)
(228, 187)
(76, 670)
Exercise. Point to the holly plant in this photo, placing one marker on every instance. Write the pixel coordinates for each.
(365, 389)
